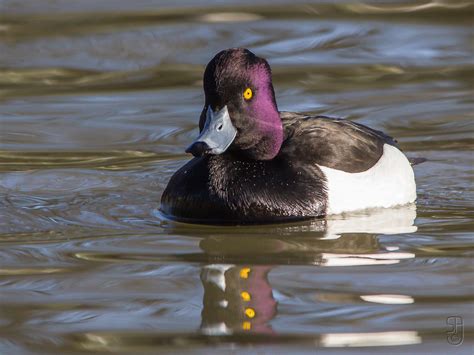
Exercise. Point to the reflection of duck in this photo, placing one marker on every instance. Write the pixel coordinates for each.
(239, 298)
(255, 164)
(236, 298)
(354, 233)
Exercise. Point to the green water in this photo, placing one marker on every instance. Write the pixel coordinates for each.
(98, 100)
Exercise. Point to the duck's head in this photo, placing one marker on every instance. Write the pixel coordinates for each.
(240, 113)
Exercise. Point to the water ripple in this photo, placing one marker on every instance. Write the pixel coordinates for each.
(98, 101)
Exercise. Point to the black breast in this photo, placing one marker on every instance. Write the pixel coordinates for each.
(228, 189)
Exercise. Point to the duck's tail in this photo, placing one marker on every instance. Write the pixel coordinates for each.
(416, 161)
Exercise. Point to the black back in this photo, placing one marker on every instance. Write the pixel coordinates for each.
(332, 142)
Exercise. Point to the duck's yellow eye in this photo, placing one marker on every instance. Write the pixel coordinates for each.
(248, 94)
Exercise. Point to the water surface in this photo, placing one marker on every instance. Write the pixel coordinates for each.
(98, 101)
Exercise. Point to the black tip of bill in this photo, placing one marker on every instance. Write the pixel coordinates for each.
(198, 149)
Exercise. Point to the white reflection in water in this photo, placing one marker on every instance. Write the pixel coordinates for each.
(388, 299)
(371, 339)
(229, 17)
(363, 259)
(378, 221)
(216, 329)
(214, 273)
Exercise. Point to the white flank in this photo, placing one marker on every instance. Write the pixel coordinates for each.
(389, 182)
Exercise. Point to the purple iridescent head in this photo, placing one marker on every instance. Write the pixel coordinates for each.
(240, 113)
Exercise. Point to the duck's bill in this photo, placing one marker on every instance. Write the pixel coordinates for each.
(216, 136)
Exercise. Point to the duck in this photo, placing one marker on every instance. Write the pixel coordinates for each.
(253, 164)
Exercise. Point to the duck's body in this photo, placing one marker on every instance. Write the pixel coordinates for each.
(351, 167)
(285, 166)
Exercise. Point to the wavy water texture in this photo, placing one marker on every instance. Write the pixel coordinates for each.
(98, 100)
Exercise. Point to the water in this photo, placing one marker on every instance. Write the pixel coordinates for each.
(98, 101)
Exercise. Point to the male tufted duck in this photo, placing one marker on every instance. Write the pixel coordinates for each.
(254, 164)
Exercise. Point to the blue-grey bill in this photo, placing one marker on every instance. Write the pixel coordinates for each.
(218, 132)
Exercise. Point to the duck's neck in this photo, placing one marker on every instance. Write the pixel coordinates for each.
(270, 137)
(269, 127)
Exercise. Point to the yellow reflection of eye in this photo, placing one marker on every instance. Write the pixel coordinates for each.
(246, 325)
(244, 273)
(249, 312)
(245, 296)
(248, 94)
